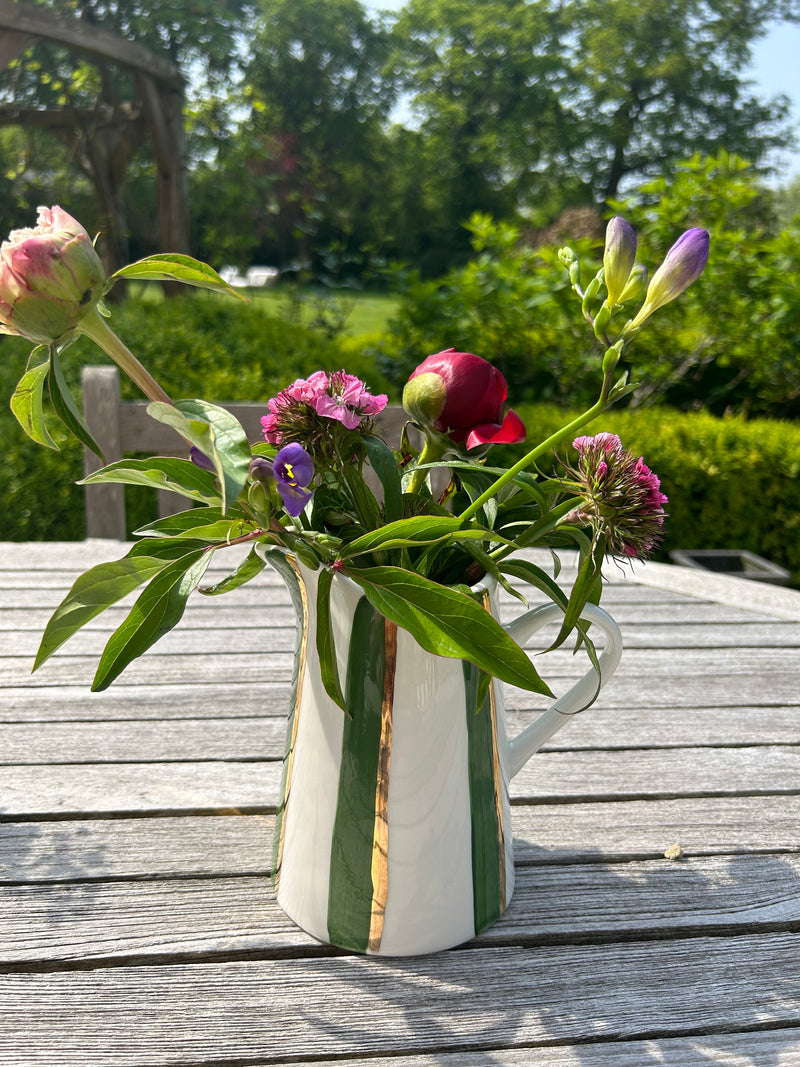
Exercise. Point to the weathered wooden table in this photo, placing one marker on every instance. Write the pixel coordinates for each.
(137, 918)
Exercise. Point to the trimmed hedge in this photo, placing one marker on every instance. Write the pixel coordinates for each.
(731, 483)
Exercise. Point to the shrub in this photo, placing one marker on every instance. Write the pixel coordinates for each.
(731, 483)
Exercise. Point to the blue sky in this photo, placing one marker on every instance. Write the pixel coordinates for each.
(775, 69)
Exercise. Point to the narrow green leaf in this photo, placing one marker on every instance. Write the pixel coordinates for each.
(535, 576)
(66, 408)
(201, 524)
(326, 648)
(92, 593)
(217, 434)
(169, 267)
(384, 463)
(157, 610)
(27, 403)
(247, 569)
(583, 590)
(419, 530)
(448, 622)
(178, 475)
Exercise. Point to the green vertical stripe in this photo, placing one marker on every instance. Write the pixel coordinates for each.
(350, 889)
(292, 580)
(486, 838)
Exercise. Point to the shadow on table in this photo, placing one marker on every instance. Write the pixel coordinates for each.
(627, 965)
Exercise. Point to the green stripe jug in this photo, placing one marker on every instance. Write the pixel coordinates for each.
(393, 832)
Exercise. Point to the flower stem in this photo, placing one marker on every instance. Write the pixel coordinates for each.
(433, 449)
(551, 442)
(101, 333)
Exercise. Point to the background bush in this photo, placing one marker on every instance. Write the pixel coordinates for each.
(731, 482)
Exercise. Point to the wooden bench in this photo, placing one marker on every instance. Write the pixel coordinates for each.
(123, 428)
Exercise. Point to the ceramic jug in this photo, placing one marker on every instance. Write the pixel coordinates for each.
(393, 833)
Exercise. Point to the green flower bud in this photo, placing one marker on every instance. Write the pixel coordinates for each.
(51, 278)
(618, 257)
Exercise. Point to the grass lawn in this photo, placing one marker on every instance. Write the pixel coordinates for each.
(361, 312)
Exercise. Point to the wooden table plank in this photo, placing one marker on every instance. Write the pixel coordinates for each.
(185, 919)
(165, 846)
(320, 1008)
(144, 788)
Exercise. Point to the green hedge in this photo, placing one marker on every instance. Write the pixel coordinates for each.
(731, 483)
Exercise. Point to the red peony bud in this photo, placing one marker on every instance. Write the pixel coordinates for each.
(462, 395)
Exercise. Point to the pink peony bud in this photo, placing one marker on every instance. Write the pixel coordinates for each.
(618, 258)
(463, 396)
(50, 278)
(683, 264)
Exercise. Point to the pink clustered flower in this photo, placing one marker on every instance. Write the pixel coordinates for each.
(622, 497)
(338, 396)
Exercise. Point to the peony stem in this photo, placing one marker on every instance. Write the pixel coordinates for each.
(97, 329)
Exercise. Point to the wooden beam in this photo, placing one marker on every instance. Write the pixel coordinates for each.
(27, 19)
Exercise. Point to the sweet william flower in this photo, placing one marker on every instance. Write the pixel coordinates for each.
(51, 278)
(683, 264)
(338, 396)
(622, 498)
(460, 394)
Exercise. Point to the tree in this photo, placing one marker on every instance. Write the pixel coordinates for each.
(657, 81)
(533, 105)
(312, 144)
(488, 82)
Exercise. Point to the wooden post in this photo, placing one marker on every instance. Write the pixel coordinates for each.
(105, 504)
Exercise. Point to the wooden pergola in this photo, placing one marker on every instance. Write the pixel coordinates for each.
(103, 139)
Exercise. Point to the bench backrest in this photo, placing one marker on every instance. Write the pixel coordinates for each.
(122, 428)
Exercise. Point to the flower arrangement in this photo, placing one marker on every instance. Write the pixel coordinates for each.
(414, 552)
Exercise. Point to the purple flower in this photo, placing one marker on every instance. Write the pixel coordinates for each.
(293, 469)
(683, 264)
(622, 498)
(618, 258)
(200, 459)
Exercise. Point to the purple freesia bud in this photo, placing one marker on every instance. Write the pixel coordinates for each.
(619, 256)
(200, 459)
(683, 264)
(294, 470)
(262, 469)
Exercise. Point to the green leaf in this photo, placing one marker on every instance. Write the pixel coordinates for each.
(326, 649)
(535, 576)
(448, 622)
(217, 434)
(27, 403)
(583, 590)
(384, 463)
(66, 408)
(419, 530)
(246, 570)
(202, 524)
(92, 593)
(174, 268)
(157, 610)
(178, 475)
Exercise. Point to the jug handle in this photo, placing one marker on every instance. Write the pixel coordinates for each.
(525, 744)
